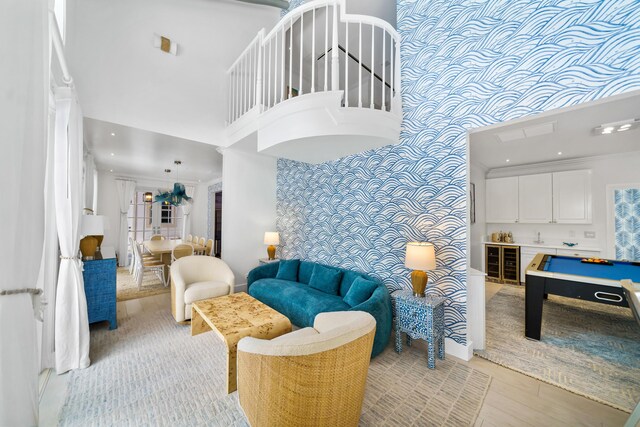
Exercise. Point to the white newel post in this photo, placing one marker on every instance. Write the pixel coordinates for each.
(125, 194)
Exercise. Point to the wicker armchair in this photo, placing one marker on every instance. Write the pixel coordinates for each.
(309, 377)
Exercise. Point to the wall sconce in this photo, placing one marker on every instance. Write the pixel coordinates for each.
(148, 197)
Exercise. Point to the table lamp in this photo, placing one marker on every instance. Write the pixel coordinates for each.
(420, 256)
(271, 238)
(91, 227)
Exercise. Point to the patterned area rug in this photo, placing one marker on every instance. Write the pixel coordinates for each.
(588, 348)
(151, 372)
(127, 288)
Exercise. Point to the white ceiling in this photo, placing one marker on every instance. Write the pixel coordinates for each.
(572, 135)
(140, 153)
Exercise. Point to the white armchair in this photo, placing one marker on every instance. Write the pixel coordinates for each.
(195, 278)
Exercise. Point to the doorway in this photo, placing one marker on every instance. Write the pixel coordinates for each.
(217, 224)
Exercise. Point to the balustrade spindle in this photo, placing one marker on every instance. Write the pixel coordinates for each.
(335, 53)
(291, 58)
(360, 67)
(384, 68)
(282, 89)
(269, 92)
(346, 66)
(313, 52)
(301, 50)
(373, 62)
(326, 48)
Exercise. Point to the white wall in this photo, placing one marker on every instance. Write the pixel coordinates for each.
(384, 9)
(249, 208)
(123, 79)
(479, 229)
(200, 209)
(614, 169)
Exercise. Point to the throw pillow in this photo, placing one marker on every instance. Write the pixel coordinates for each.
(325, 279)
(360, 291)
(288, 270)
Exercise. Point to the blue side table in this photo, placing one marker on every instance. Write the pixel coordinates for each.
(420, 318)
(100, 289)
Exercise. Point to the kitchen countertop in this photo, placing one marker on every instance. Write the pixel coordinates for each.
(577, 247)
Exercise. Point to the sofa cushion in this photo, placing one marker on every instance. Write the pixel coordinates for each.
(325, 279)
(295, 335)
(299, 302)
(288, 270)
(347, 280)
(305, 271)
(360, 291)
(204, 290)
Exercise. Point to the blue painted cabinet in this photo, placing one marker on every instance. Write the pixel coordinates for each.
(100, 288)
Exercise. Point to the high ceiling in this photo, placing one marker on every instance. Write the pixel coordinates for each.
(556, 135)
(138, 153)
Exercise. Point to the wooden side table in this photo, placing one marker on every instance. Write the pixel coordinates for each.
(420, 318)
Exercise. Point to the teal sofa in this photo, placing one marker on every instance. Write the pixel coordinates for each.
(301, 303)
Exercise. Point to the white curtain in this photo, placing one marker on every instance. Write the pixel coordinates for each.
(23, 101)
(126, 189)
(71, 319)
(48, 276)
(186, 212)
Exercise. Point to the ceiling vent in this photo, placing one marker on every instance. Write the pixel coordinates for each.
(527, 132)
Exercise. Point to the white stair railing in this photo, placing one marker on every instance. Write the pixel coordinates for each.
(317, 47)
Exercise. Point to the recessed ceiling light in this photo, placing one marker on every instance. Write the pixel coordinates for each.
(110, 170)
(623, 129)
(113, 134)
(508, 160)
(113, 154)
(559, 153)
(625, 126)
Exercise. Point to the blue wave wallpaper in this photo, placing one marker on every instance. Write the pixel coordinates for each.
(627, 223)
(465, 64)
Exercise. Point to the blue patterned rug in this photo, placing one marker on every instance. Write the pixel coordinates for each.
(588, 348)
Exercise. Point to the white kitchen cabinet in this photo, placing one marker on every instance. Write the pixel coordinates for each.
(527, 253)
(535, 199)
(572, 197)
(502, 200)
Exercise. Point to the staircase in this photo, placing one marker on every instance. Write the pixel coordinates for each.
(322, 84)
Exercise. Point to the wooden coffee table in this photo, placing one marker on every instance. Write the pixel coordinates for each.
(234, 317)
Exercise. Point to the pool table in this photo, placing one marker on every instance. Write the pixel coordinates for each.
(570, 277)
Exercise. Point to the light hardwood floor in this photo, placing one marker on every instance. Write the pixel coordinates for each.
(513, 399)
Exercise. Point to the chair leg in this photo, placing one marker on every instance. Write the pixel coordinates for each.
(140, 277)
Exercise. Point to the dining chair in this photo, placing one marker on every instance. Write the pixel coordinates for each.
(208, 248)
(143, 266)
(201, 241)
(157, 237)
(134, 256)
(181, 250)
(189, 238)
(194, 239)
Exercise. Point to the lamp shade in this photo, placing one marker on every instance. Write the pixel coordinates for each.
(420, 256)
(271, 238)
(92, 225)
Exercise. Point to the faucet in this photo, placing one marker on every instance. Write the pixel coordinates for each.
(538, 242)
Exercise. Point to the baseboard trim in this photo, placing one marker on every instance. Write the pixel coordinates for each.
(461, 351)
(240, 288)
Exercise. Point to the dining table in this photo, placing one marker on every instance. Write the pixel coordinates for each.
(163, 248)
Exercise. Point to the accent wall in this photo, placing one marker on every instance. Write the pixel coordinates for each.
(465, 64)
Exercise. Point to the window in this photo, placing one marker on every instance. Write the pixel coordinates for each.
(146, 219)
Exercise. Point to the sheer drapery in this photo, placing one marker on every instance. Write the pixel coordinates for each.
(126, 189)
(23, 101)
(71, 319)
(48, 276)
(186, 212)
